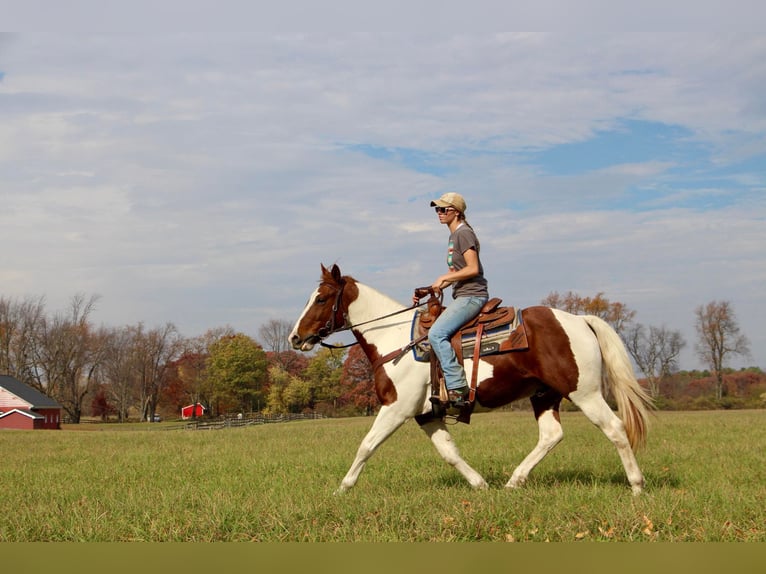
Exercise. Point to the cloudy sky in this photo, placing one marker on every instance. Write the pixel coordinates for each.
(201, 179)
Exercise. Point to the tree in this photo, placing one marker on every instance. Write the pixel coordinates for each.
(274, 335)
(617, 314)
(120, 371)
(69, 352)
(20, 325)
(323, 378)
(186, 380)
(357, 382)
(275, 400)
(155, 350)
(655, 353)
(237, 371)
(100, 405)
(719, 338)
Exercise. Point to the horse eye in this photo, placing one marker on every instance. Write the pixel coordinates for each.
(320, 301)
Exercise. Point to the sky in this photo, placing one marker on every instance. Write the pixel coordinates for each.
(201, 178)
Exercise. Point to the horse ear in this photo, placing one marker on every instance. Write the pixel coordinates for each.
(336, 272)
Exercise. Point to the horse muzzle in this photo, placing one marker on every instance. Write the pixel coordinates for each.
(304, 344)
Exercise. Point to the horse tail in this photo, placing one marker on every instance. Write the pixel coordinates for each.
(633, 402)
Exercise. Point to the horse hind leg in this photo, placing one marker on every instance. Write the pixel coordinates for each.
(446, 447)
(546, 408)
(595, 407)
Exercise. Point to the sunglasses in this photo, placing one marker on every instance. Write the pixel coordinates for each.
(443, 209)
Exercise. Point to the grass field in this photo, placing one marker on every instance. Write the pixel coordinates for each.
(705, 472)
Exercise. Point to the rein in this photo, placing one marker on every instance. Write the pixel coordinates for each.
(330, 328)
(347, 327)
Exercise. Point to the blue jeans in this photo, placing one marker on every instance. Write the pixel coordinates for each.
(457, 313)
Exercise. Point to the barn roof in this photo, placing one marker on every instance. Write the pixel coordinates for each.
(22, 412)
(27, 393)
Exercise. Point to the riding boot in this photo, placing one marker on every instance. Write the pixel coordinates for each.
(458, 397)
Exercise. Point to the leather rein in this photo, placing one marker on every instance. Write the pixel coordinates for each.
(330, 327)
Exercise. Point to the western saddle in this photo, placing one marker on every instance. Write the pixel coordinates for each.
(494, 330)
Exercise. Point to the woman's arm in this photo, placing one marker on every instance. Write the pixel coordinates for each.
(470, 270)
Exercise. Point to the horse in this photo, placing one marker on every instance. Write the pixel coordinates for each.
(569, 356)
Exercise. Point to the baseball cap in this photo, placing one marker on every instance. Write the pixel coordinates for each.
(450, 199)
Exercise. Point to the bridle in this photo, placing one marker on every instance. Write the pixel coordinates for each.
(329, 327)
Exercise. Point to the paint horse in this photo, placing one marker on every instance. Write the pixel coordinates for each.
(569, 356)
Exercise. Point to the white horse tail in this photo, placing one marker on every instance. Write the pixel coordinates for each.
(633, 402)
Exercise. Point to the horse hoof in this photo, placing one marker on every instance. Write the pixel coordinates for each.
(515, 484)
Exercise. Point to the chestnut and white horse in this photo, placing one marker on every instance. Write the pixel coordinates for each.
(569, 356)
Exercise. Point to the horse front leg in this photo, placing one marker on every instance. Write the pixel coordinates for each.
(389, 419)
(445, 445)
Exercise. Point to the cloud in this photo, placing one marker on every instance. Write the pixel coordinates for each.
(202, 179)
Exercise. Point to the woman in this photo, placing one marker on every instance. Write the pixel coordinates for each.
(469, 291)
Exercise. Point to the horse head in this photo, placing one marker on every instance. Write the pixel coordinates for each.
(325, 312)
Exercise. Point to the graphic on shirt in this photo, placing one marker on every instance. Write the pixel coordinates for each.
(450, 250)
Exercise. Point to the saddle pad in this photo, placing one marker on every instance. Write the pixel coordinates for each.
(491, 341)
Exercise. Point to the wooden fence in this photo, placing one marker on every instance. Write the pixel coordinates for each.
(236, 422)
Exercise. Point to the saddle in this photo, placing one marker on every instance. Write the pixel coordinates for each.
(494, 330)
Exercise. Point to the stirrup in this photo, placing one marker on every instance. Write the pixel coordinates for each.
(438, 408)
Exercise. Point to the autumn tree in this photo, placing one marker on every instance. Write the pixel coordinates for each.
(279, 381)
(617, 314)
(356, 382)
(323, 377)
(237, 372)
(655, 352)
(100, 405)
(287, 393)
(187, 380)
(719, 338)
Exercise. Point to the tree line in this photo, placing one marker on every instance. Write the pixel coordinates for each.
(134, 371)
(656, 349)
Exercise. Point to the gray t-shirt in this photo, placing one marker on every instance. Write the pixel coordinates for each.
(460, 241)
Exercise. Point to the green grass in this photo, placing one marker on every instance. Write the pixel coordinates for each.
(704, 470)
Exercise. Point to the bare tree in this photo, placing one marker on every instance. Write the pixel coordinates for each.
(120, 371)
(656, 352)
(719, 338)
(69, 351)
(155, 349)
(274, 336)
(20, 324)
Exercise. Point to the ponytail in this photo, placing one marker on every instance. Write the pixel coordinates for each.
(462, 218)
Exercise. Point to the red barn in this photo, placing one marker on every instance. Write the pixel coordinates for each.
(22, 407)
(190, 411)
